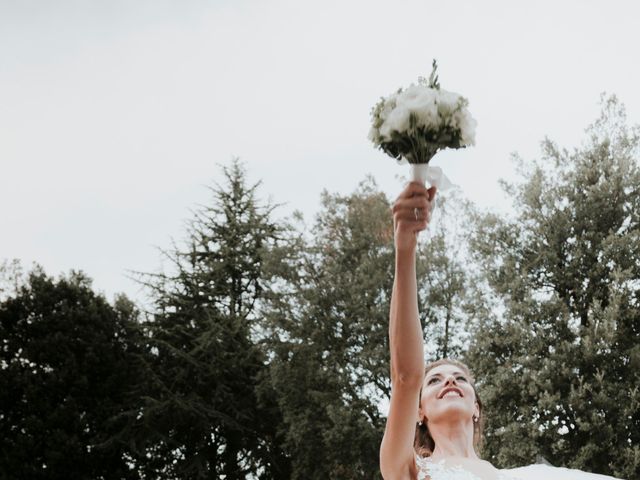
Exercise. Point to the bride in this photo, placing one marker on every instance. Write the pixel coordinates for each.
(439, 439)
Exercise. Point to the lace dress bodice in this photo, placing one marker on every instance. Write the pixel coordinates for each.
(428, 469)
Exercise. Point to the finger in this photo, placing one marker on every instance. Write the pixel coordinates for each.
(432, 198)
(432, 204)
(409, 203)
(413, 189)
(422, 226)
(412, 215)
(424, 216)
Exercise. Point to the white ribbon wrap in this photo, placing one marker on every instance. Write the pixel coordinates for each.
(422, 172)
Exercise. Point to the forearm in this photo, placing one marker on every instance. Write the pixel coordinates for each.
(405, 332)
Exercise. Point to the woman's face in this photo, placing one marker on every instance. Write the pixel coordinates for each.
(447, 393)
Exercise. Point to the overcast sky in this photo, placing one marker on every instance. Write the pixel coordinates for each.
(114, 114)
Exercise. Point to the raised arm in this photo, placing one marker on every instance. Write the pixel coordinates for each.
(397, 459)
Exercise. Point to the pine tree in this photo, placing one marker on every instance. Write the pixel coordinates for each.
(205, 411)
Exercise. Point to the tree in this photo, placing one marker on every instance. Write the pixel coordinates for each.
(560, 357)
(12, 276)
(205, 413)
(68, 364)
(330, 365)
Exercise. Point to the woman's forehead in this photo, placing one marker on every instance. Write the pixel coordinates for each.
(444, 370)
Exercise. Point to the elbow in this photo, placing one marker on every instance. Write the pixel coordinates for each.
(408, 374)
(407, 379)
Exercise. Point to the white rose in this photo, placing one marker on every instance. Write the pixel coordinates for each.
(410, 93)
(420, 100)
(398, 120)
(447, 103)
(467, 125)
(426, 110)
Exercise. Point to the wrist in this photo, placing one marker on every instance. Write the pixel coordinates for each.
(406, 253)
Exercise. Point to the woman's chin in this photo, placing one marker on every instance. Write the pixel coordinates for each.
(453, 411)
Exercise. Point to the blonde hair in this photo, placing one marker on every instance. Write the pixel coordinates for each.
(423, 443)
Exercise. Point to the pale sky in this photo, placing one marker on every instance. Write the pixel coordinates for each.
(114, 114)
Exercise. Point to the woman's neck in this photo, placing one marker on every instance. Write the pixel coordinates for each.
(453, 440)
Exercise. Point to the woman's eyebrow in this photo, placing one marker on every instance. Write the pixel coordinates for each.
(439, 374)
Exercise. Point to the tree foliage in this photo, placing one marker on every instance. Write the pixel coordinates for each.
(330, 367)
(560, 356)
(447, 300)
(68, 364)
(204, 413)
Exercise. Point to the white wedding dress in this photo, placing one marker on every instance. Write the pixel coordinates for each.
(548, 472)
(439, 471)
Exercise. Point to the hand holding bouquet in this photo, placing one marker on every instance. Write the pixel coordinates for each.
(415, 123)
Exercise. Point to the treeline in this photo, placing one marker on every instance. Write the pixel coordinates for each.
(264, 353)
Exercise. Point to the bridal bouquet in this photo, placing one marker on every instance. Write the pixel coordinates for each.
(413, 124)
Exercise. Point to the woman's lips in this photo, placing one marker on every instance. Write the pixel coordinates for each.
(450, 389)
